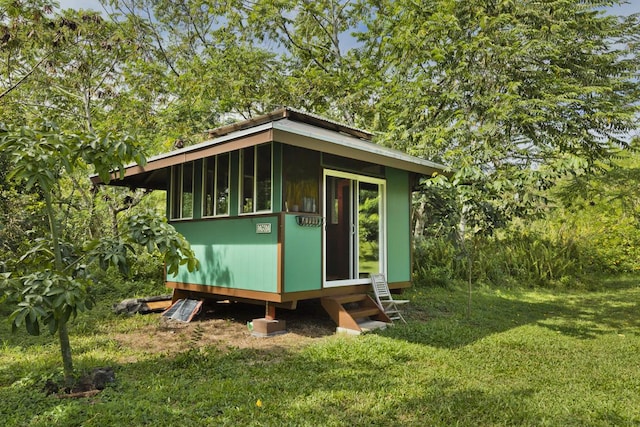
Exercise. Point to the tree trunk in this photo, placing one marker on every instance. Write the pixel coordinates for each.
(418, 215)
(470, 283)
(468, 250)
(65, 350)
(63, 333)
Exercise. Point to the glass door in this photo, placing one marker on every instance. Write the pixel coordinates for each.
(354, 235)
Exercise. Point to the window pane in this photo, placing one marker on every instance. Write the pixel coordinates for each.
(176, 174)
(247, 174)
(301, 170)
(208, 196)
(263, 182)
(222, 185)
(368, 228)
(187, 190)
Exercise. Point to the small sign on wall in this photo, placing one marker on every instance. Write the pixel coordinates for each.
(263, 228)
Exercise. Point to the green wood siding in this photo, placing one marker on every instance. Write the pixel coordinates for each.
(302, 256)
(398, 226)
(231, 253)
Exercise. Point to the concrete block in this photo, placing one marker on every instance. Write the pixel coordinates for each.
(266, 328)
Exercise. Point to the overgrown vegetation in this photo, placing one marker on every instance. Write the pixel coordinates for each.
(590, 227)
(526, 357)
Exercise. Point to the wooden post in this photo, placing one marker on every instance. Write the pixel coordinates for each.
(270, 312)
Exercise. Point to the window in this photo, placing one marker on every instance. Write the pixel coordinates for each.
(263, 177)
(255, 182)
(216, 186)
(182, 191)
(247, 183)
(301, 172)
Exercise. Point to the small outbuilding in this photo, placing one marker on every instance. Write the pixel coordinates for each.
(286, 207)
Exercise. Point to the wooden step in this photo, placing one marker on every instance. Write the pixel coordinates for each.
(360, 312)
(348, 311)
(346, 299)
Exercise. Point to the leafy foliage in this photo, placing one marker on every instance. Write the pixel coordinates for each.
(48, 298)
(58, 152)
(49, 282)
(150, 230)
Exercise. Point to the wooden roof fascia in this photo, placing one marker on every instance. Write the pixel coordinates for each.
(294, 128)
(236, 144)
(194, 152)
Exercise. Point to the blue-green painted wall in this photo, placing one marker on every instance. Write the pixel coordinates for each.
(302, 256)
(398, 226)
(231, 253)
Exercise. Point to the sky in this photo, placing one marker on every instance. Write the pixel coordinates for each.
(627, 9)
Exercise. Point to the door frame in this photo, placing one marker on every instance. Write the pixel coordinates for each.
(354, 253)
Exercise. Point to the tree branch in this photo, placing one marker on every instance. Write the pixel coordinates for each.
(25, 77)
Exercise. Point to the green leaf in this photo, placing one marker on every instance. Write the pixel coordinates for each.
(33, 326)
(53, 325)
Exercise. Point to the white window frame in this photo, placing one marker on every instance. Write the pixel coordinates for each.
(255, 181)
(382, 208)
(180, 185)
(215, 186)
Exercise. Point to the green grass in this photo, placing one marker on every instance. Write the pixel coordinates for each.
(524, 357)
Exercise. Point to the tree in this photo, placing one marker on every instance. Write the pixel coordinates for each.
(508, 82)
(321, 57)
(207, 72)
(241, 58)
(49, 282)
(511, 94)
(25, 43)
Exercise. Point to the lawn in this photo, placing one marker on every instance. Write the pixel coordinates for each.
(524, 357)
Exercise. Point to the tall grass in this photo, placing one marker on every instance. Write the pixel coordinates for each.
(508, 258)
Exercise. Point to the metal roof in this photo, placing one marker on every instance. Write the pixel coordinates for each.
(293, 114)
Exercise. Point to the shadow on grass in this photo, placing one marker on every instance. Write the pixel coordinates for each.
(210, 387)
(444, 323)
(437, 317)
(589, 316)
(338, 382)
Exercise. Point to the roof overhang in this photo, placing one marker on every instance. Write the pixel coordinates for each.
(326, 141)
(293, 128)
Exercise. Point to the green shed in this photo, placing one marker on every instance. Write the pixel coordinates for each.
(286, 207)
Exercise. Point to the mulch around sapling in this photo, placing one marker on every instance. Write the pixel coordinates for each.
(87, 385)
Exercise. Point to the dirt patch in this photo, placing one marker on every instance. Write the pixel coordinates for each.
(224, 325)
